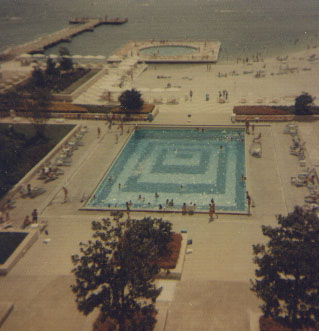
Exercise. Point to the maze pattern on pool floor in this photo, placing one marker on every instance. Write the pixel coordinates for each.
(183, 165)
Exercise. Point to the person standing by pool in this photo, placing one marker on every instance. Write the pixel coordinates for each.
(26, 222)
(190, 95)
(65, 191)
(212, 211)
(35, 216)
(184, 209)
(191, 209)
(128, 209)
(248, 201)
(247, 126)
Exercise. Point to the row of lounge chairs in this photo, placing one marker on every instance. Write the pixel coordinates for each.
(64, 158)
(50, 171)
(32, 192)
(298, 147)
(307, 177)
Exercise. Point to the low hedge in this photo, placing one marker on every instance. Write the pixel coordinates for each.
(260, 110)
(270, 110)
(147, 108)
(170, 260)
(268, 324)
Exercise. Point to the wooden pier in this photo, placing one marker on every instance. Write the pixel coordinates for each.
(84, 20)
(39, 45)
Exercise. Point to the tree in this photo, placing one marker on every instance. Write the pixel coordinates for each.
(51, 69)
(116, 271)
(65, 59)
(37, 109)
(38, 79)
(302, 104)
(131, 101)
(11, 149)
(11, 100)
(288, 270)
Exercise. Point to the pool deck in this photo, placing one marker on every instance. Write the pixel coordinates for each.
(216, 273)
(213, 293)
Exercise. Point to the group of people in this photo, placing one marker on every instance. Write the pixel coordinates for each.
(223, 94)
(27, 221)
(188, 209)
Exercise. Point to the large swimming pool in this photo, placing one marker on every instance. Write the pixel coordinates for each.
(186, 165)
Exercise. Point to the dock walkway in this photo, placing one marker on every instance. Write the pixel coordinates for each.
(42, 43)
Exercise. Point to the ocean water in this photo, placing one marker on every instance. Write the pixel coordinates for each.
(244, 27)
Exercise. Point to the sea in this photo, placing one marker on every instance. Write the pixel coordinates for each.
(244, 27)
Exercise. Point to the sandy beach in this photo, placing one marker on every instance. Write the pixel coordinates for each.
(270, 81)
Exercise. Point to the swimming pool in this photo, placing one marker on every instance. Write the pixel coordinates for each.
(186, 165)
(168, 50)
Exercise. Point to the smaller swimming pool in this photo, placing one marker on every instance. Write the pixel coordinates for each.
(173, 50)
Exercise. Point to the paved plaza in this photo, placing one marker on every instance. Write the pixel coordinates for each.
(213, 293)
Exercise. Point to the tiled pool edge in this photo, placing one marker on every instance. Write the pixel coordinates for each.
(19, 252)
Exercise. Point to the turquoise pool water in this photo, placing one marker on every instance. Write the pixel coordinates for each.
(186, 165)
(168, 50)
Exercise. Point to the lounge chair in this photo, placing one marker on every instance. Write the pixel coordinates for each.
(36, 191)
(67, 162)
(290, 128)
(50, 179)
(80, 143)
(255, 149)
(311, 199)
(297, 182)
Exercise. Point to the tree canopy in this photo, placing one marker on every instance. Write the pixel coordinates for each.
(65, 59)
(37, 109)
(115, 271)
(302, 104)
(131, 100)
(288, 270)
